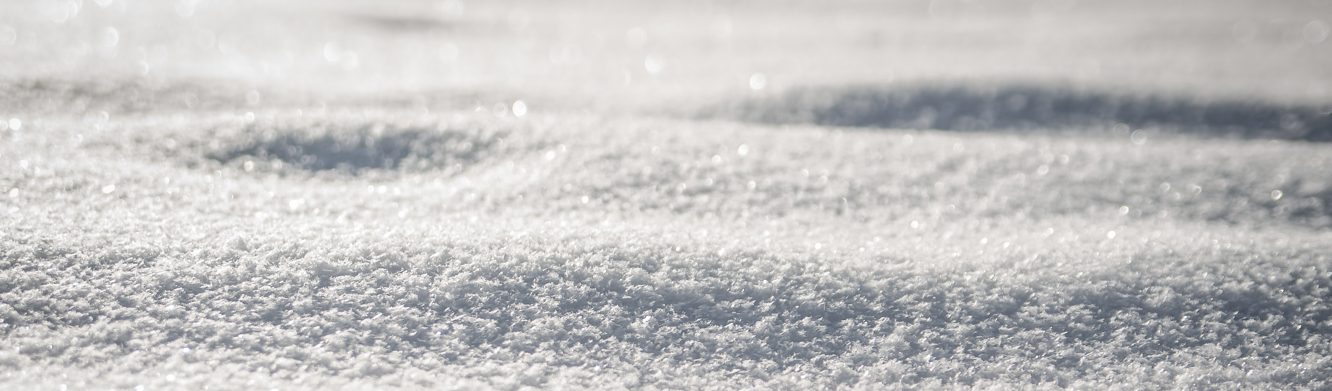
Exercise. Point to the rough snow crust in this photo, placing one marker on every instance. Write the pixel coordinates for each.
(568, 251)
(1001, 194)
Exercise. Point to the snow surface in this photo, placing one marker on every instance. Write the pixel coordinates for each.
(632, 195)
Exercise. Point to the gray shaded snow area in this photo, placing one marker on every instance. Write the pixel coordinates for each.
(589, 194)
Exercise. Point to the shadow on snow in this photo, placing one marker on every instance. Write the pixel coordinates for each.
(1028, 106)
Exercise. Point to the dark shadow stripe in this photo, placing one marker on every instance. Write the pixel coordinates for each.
(1028, 106)
(354, 149)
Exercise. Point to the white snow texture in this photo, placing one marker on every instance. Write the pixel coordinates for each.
(597, 195)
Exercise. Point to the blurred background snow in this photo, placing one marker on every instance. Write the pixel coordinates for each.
(636, 54)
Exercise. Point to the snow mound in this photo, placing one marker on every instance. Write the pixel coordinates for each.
(617, 306)
(64, 96)
(588, 252)
(1030, 106)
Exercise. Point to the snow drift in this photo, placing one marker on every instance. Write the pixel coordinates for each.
(587, 252)
(501, 195)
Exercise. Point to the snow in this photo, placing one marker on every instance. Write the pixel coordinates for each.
(500, 195)
(977, 106)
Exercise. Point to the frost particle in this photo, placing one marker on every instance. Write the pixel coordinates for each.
(519, 108)
(758, 81)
